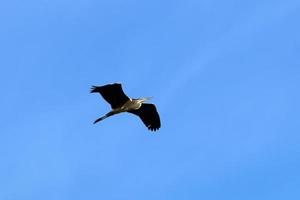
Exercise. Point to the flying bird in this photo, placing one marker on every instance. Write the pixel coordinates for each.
(114, 95)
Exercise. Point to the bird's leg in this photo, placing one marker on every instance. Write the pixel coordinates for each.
(105, 116)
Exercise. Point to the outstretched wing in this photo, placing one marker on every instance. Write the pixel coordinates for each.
(112, 93)
(149, 115)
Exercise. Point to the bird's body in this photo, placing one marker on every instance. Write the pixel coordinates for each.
(132, 104)
(119, 102)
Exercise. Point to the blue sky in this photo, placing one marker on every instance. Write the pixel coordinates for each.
(225, 77)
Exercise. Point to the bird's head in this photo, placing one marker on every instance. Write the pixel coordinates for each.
(147, 98)
(142, 100)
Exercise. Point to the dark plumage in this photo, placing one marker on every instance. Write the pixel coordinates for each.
(119, 102)
(112, 93)
(149, 115)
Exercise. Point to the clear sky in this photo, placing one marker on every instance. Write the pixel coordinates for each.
(225, 77)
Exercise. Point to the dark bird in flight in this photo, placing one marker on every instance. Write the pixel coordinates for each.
(119, 102)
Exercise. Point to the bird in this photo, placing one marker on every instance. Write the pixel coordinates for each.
(120, 102)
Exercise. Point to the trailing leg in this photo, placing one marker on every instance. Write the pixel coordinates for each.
(104, 117)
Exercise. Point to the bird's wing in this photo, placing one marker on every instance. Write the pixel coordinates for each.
(149, 115)
(112, 93)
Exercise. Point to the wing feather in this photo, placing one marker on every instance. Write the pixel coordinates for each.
(112, 93)
(149, 116)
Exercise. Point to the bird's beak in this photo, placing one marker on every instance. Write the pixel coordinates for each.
(147, 99)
